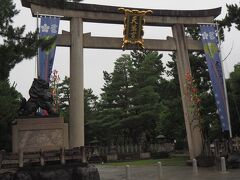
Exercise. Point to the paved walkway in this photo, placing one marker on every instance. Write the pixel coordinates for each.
(169, 173)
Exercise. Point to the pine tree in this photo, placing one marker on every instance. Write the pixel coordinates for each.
(171, 119)
(9, 105)
(90, 113)
(147, 77)
(116, 99)
(15, 46)
(232, 17)
(233, 84)
(90, 107)
(64, 98)
(130, 98)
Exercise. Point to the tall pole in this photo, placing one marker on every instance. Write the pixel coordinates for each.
(37, 57)
(76, 121)
(224, 84)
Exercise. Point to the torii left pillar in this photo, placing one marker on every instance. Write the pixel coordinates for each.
(76, 121)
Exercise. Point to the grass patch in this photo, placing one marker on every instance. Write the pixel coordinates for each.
(171, 161)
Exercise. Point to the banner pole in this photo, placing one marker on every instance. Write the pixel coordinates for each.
(224, 84)
(37, 60)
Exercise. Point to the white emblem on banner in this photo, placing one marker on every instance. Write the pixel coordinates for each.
(45, 28)
(54, 28)
(205, 35)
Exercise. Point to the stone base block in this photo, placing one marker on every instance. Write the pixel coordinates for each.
(35, 134)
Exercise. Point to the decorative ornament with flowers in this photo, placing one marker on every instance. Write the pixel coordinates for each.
(193, 95)
(54, 81)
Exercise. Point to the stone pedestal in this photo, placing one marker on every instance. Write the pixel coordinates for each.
(35, 134)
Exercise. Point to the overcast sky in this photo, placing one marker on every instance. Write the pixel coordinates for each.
(95, 61)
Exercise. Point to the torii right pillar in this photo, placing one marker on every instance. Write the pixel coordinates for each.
(194, 135)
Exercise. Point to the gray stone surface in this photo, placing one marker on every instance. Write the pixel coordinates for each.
(33, 134)
(169, 173)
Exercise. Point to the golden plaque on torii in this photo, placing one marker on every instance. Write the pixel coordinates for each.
(133, 28)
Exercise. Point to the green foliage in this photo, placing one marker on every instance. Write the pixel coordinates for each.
(148, 72)
(232, 17)
(138, 103)
(209, 118)
(90, 113)
(15, 45)
(172, 125)
(64, 98)
(90, 108)
(233, 84)
(172, 161)
(116, 99)
(171, 122)
(9, 104)
(130, 99)
(117, 84)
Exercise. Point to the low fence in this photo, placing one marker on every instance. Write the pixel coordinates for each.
(121, 149)
(220, 148)
(236, 144)
(129, 152)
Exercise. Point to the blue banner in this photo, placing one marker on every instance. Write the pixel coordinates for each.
(210, 41)
(48, 29)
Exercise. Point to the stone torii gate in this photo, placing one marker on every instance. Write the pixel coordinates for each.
(77, 13)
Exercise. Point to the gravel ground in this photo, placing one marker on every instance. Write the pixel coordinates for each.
(169, 173)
